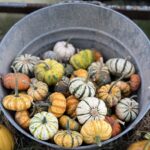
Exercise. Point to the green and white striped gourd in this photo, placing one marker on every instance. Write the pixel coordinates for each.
(43, 125)
(91, 108)
(120, 67)
(127, 109)
(81, 88)
(25, 63)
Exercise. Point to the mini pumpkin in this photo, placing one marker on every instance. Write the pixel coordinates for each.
(23, 118)
(97, 55)
(68, 69)
(110, 94)
(49, 71)
(58, 104)
(43, 125)
(127, 109)
(6, 139)
(95, 131)
(81, 88)
(90, 108)
(38, 90)
(74, 125)
(82, 73)
(134, 82)
(50, 55)
(64, 50)
(82, 60)
(99, 72)
(120, 67)
(72, 103)
(25, 63)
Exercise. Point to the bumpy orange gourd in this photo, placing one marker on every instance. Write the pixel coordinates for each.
(58, 104)
(23, 118)
(72, 103)
(6, 139)
(80, 73)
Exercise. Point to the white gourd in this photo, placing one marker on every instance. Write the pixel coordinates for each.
(81, 88)
(43, 125)
(127, 109)
(64, 50)
(91, 108)
(120, 67)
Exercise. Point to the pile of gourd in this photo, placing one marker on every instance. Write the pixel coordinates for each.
(70, 96)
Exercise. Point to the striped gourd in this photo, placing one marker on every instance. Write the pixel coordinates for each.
(91, 108)
(25, 63)
(127, 109)
(81, 87)
(57, 104)
(43, 125)
(82, 59)
(120, 67)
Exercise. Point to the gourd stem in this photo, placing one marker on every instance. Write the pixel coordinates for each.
(16, 82)
(147, 145)
(115, 83)
(98, 141)
(47, 66)
(133, 96)
(68, 126)
(120, 121)
(67, 42)
(44, 120)
(78, 50)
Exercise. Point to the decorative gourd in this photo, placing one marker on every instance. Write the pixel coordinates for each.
(72, 103)
(124, 87)
(81, 87)
(134, 82)
(68, 69)
(91, 108)
(49, 71)
(97, 55)
(140, 145)
(95, 131)
(110, 94)
(6, 139)
(120, 67)
(17, 102)
(64, 50)
(23, 118)
(82, 73)
(43, 125)
(127, 109)
(38, 90)
(116, 127)
(74, 125)
(25, 63)
(9, 81)
(63, 86)
(58, 104)
(99, 72)
(82, 59)
(50, 55)
(68, 138)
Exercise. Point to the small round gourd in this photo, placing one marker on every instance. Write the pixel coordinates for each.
(82, 60)
(38, 90)
(74, 125)
(6, 139)
(110, 94)
(127, 109)
(95, 131)
(49, 71)
(50, 55)
(90, 108)
(68, 139)
(81, 88)
(72, 103)
(25, 63)
(120, 67)
(82, 73)
(58, 104)
(23, 118)
(68, 69)
(43, 125)
(64, 50)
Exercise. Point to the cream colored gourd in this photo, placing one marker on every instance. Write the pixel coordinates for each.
(64, 50)
(43, 125)
(81, 88)
(91, 108)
